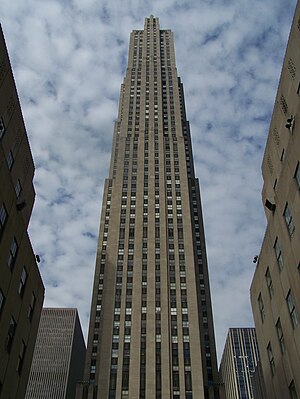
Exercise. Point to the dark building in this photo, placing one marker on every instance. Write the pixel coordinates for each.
(275, 288)
(21, 287)
(58, 358)
(239, 361)
(151, 329)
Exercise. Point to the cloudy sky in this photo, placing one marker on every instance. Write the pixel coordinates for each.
(69, 59)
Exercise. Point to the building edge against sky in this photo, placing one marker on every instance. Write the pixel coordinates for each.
(21, 287)
(151, 328)
(275, 289)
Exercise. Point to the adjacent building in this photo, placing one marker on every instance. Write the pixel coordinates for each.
(239, 361)
(275, 289)
(58, 358)
(21, 287)
(151, 329)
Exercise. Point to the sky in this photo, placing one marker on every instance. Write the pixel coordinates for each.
(69, 58)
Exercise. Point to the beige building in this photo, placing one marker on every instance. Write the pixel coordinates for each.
(239, 361)
(21, 287)
(275, 289)
(151, 330)
(58, 358)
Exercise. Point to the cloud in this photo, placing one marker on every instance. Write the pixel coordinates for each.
(69, 59)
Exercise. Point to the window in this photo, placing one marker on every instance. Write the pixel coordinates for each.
(2, 127)
(21, 357)
(280, 336)
(18, 188)
(31, 306)
(278, 254)
(288, 219)
(292, 389)
(12, 254)
(271, 358)
(297, 175)
(261, 308)
(3, 217)
(10, 160)
(11, 333)
(2, 299)
(269, 283)
(22, 282)
(292, 309)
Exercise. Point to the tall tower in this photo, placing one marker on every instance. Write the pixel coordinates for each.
(275, 288)
(151, 330)
(21, 286)
(239, 362)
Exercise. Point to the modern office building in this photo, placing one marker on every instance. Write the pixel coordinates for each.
(239, 361)
(21, 287)
(58, 358)
(275, 289)
(151, 330)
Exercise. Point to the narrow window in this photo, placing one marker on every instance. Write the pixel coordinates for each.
(21, 357)
(278, 254)
(18, 188)
(11, 333)
(2, 127)
(269, 283)
(2, 299)
(31, 306)
(280, 336)
(10, 160)
(292, 309)
(288, 219)
(12, 254)
(261, 308)
(297, 175)
(3, 217)
(292, 389)
(22, 282)
(271, 358)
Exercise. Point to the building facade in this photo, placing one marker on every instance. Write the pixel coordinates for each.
(151, 329)
(275, 289)
(58, 358)
(239, 361)
(21, 287)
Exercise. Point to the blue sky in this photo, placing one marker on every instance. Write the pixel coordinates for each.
(69, 58)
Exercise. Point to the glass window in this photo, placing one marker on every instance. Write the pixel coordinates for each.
(280, 336)
(2, 127)
(10, 160)
(278, 254)
(292, 309)
(2, 299)
(18, 188)
(261, 308)
(31, 306)
(12, 254)
(3, 217)
(271, 358)
(22, 281)
(11, 333)
(292, 389)
(21, 357)
(288, 219)
(297, 175)
(269, 283)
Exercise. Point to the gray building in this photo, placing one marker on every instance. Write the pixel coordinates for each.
(58, 358)
(21, 287)
(275, 289)
(151, 329)
(239, 361)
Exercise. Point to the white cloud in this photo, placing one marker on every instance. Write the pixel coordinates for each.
(68, 59)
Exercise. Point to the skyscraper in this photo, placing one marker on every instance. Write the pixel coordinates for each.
(239, 361)
(21, 286)
(275, 289)
(58, 358)
(151, 330)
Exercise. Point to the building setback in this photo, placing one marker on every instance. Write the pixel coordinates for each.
(21, 287)
(58, 358)
(239, 361)
(275, 289)
(151, 329)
